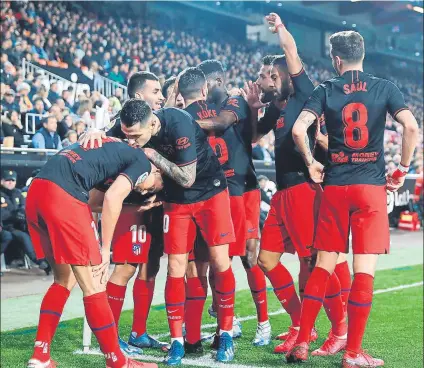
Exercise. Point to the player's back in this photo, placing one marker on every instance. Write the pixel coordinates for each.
(78, 170)
(355, 106)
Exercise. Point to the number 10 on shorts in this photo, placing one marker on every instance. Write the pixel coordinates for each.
(138, 233)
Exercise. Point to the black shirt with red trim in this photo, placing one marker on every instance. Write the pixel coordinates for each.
(183, 142)
(243, 134)
(355, 106)
(77, 170)
(228, 147)
(290, 167)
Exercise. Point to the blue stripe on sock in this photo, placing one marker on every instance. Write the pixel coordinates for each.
(359, 304)
(305, 296)
(227, 293)
(283, 287)
(46, 311)
(95, 329)
(258, 291)
(175, 305)
(197, 298)
(332, 296)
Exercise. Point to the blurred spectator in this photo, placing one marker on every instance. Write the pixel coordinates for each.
(70, 138)
(116, 75)
(64, 126)
(66, 96)
(9, 102)
(13, 216)
(12, 127)
(47, 136)
(43, 93)
(53, 93)
(80, 127)
(84, 111)
(260, 151)
(25, 103)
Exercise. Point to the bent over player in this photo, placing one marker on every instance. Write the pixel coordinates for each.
(67, 236)
(355, 105)
(195, 193)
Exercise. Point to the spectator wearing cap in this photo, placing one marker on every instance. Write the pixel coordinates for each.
(53, 93)
(25, 103)
(47, 136)
(13, 216)
(9, 102)
(12, 127)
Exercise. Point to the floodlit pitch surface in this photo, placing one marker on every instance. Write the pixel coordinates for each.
(395, 331)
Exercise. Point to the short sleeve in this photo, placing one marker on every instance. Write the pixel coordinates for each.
(302, 84)
(322, 126)
(183, 138)
(238, 106)
(316, 101)
(395, 100)
(139, 168)
(268, 121)
(113, 129)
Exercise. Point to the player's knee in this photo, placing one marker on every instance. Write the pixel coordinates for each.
(123, 273)
(67, 282)
(249, 260)
(177, 265)
(266, 263)
(327, 260)
(219, 259)
(191, 269)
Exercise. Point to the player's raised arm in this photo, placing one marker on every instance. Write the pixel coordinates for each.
(219, 123)
(287, 43)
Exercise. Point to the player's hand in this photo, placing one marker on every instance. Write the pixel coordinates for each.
(274, 21)
(395, 180)
(235, 92)
(251, 93)
(149, 204)
(102, 269)
(316, 172)
(92, 138)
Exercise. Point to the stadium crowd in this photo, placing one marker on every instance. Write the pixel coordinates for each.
(53, 35)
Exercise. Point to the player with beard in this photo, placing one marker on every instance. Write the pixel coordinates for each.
(355, 106)
(234, 111)
(196, 193)
(126, 255)
(294, 207)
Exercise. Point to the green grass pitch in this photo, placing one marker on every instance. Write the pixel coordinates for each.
(395, 330)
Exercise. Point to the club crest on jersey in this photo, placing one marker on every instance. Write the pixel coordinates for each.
(183, 143)
(280, 123)
(142, 178)
(233, 102)
(136, 249)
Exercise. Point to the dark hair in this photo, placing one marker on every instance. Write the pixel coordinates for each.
(168, 83)
(348, 46)
(268, 59)
(280, 62)
(39, 99)
(135, 111)
(212, 69)
(137, 81)
(191, 82)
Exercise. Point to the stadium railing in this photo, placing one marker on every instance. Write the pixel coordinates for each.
(107, 87)
(30, 122)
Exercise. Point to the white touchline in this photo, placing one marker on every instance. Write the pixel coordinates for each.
(208, 361)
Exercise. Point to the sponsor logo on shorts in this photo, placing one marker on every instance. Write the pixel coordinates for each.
(251, 230)
(224, 234)
(136, 249)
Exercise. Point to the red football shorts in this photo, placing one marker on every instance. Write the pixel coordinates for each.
(61, 227)
(238, 215)
(252, 206)
(131, 239)
(290, 225)
(360, 207)
(212, 216)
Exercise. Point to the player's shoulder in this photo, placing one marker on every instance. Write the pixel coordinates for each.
(172, 116)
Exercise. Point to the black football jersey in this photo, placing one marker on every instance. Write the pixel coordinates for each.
(228, 146)
(77, 170)
(355, 106)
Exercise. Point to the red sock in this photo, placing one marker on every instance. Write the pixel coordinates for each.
(175, 300)
(116, 297)
(225, 293)
(304, 274)
(342, 272)
(143, 295)
(334, 306)
(50, 312)
(196, 291)
(257, 284)
(100, 319)
(282, 283)
(312, 302)
(360, 301)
